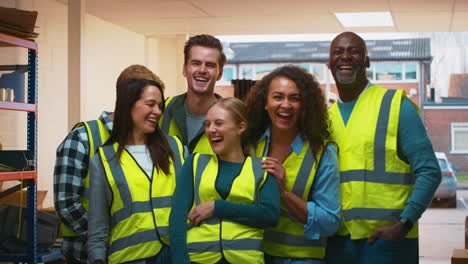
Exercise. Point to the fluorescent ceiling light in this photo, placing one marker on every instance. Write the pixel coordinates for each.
(365, 19)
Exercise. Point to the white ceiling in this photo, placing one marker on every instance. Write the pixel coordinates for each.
(232, 17)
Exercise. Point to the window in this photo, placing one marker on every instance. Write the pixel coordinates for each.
(370, 73)
(392, 72)
(258, 71)
(459, 138)
(263, 69)
(229, 73)
(388, 71)
(318, 71)
(410, 71)
(246, 72)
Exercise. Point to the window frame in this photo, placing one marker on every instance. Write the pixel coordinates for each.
(454, 127)
(403, 72)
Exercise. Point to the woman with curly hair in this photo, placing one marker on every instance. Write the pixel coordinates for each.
(289, 126)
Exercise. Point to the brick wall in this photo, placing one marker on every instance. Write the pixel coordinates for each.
(437, 123)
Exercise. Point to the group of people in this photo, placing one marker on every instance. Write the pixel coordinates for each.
(279, 178)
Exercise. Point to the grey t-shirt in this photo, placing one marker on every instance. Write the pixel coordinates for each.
(194, 123)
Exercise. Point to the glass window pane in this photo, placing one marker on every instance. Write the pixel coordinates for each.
(246, 72)
(304, 66)
(388, 71)
(370, 73)
(317, 71)
(228, 74)
(443, 165)
(461, 139)
(262, 70)
(410, 71)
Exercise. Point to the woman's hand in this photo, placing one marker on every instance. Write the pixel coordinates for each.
(275, 168)
(201, 212)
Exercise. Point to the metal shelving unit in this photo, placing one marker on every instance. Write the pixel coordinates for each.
(28, 177)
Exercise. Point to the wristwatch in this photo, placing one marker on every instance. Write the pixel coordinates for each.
(406, 223)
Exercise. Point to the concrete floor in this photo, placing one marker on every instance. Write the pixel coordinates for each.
(441, 230)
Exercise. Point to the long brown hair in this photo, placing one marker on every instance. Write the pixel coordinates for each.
(313, 120)
(128, 93)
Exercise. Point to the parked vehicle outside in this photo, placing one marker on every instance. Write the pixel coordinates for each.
(447, 190)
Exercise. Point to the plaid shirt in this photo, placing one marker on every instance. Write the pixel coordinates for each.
(71, 168)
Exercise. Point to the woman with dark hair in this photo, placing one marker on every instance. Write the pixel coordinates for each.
(227, 198)
(290, 128)
(132, 180)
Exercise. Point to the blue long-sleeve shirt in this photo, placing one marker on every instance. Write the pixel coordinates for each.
(262, 214)
(323, 203)
(415, 148)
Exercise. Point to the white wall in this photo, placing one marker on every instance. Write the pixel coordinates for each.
(15, 136)
(109, 49)
(165, 57)
(450, 56)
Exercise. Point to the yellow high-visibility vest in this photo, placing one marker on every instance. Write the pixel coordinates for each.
(287, 239)
(140, 206)
(168, 124)
(375, 182)
(215, 238)
(97, 136)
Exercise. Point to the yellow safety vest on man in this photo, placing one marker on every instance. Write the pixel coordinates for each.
(97, 136)
(216, 238)
(287, 239)
(375, 182)
(141, 206)
(173, 122)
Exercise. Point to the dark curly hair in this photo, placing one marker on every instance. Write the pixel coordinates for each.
(313, 119)
(207, 41)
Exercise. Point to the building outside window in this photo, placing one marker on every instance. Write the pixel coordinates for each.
(247, 72)
(385, 72)
(318, 70)
(459, 135)
(258, 71)
(229, 73)
(410, 71)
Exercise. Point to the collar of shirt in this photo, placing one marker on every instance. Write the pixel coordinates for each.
(296, 145)
(106, 120)
(369, 84)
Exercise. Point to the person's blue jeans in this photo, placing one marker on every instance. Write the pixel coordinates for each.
(343, 250)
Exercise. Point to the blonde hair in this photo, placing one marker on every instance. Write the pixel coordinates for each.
(238, 111)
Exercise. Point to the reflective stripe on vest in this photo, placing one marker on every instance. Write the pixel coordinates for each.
(287, 239)
(97, 134)
(169, 126)
(165, 121)
(139, 212)
(369, 165)
(215, 238)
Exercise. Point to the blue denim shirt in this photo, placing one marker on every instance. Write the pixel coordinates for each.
(324, 197)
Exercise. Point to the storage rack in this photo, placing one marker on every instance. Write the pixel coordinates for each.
(29, 177)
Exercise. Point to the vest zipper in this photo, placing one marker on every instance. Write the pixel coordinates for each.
(152, 209)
